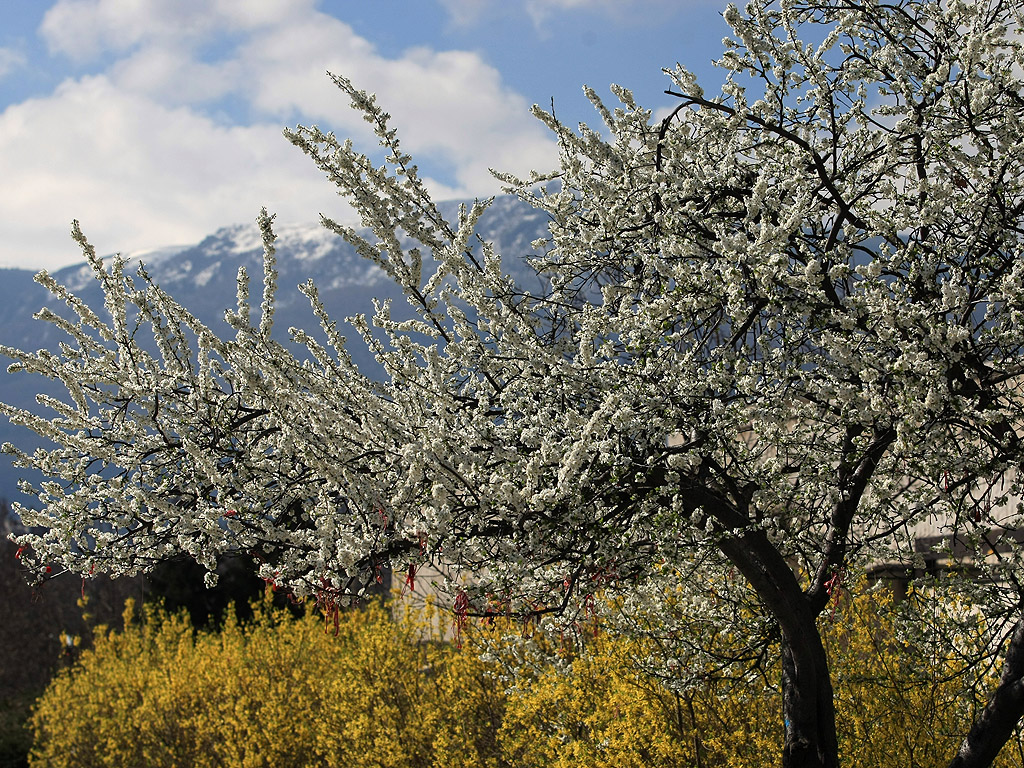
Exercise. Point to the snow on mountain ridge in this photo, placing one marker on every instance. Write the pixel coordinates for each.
(306, 250)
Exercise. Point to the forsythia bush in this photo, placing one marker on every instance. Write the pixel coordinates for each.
(372, 690)
(602, 711)
(280, 692)
(906, 700)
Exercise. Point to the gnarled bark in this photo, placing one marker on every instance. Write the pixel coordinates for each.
(807, 705)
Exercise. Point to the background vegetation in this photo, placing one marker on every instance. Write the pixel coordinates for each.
(32, 622)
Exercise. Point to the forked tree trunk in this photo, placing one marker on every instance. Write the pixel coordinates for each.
(807, 707)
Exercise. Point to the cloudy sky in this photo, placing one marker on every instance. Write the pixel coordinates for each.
(154, 122)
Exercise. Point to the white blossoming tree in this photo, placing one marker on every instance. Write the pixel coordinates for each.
(783, 326)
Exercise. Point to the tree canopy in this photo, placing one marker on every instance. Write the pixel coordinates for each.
(782, 328)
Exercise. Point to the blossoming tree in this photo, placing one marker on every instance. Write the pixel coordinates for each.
(781, 326)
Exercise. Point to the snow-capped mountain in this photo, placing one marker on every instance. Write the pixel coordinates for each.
(202, 277)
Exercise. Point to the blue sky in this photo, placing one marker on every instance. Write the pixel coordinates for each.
(154, 122)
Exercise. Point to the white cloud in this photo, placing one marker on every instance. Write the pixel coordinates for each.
(564, 4)
(138, 174)
(465, 12)
(541, 10)
(140, 154)
(10, 60)
(468, 12)
(252, 14)
(85, 29)
(450, 105)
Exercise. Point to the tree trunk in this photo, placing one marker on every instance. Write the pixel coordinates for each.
(1005, 707)
(807, 705)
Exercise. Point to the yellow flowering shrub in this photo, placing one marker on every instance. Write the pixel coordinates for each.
(466, 716)
(905, 700)
(600, 708)
(279, 692)
(599, 712)
(379, 690)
